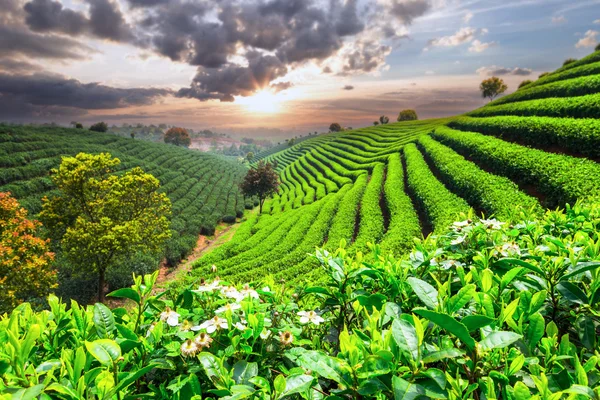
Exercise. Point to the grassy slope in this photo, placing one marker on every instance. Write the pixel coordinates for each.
(367, 185)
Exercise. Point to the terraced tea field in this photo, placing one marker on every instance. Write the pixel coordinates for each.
(203, 188)
(537, 148)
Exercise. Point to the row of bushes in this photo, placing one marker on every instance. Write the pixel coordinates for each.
(344, 221)
(492, 194)
(575, 72)
(404, 221)
(431, 197)
(371, 226)
(568, 107)
(573, 87)
(559, 179)
(328, 185)
(580, 136)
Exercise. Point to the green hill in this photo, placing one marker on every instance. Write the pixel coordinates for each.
(536, 148)
(203, 188)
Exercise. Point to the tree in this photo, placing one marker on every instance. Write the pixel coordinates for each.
(100, 218)
(99, 127)
(492, 87)
(291, 141)
(79, 125)
(335, 127)
(524, 83)
(383, 120)
(261, 181)
(597, 47)
(250, 156)
(178, 137)
(25, 262)
(375, 123)
(408, 115)
(132, 134)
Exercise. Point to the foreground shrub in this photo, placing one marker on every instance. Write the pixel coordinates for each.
(487, 310)
(25, 262)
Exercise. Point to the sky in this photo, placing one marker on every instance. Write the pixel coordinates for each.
(272, 68)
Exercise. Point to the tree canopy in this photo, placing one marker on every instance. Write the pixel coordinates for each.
(178, 137)
(261, 181)
(492, 87)
(335, 127)
(25, 262)
(408, 115)
(98, 127)
(100, 217)
(384, 120)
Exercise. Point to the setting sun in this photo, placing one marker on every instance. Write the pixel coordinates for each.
(264, 102)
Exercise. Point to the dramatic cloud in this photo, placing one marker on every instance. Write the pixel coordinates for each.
(497, 71)
(54, 90)
(588, 40)
(364, 57)
(105, 20)
(407, 10)
(464, 35)
(477, 46)
(348, 87)
(233, 80)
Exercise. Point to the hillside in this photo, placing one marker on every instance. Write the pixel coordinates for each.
(202, 188)
(536, 148)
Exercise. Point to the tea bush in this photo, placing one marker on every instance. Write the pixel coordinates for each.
(487, 309)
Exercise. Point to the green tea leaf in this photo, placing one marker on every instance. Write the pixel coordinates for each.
(499, 340)
(476, 321)
(126, 293)
(406, 338)
(449, 324)
(106, 351)
(427, 293)
(104, 321)
(460, 299)
(404, 390)
(571, 292)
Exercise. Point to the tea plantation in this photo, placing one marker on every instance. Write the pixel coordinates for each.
(537, 148)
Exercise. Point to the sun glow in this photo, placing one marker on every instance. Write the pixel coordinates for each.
(264, 102)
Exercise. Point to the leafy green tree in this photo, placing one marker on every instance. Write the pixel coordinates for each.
(79, 125)
(99, 127)
(178, 137)
(25, 262)
(261, 181)
(384, 120)
(492, 87)
(408, 115)
(100, 217)
(335, 127)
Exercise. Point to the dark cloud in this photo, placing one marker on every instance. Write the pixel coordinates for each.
(348, 87)
(10, 65)
(349, 22)
(233, 80)
(106, 21)
(48, 15)
(57, 91)
(16, 40)
(280, 86)
(146, 3)
(407, 10)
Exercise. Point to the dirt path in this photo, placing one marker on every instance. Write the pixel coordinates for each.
(205, 244)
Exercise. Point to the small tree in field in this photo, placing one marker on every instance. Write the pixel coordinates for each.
(383, 120)
(492, 88)
(178, 137)
(335, 127)
(99, 127)
(100, 218)
(375, 123)
(261, 181)
(132, 134)
(78, 126)
(408, 115)
(25, 262)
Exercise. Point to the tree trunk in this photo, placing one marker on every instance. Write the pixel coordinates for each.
(101, 273)
(260, 204)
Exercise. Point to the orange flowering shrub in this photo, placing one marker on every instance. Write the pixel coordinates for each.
(25, 269)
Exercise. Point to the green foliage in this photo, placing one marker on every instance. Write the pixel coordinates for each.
(485, 310)
(101, 218)
(581, 136)
(569, 61)
(560, 179)
(492, 87)
(408, 115)
(99, 127)
(567, 107)
(431, 197)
